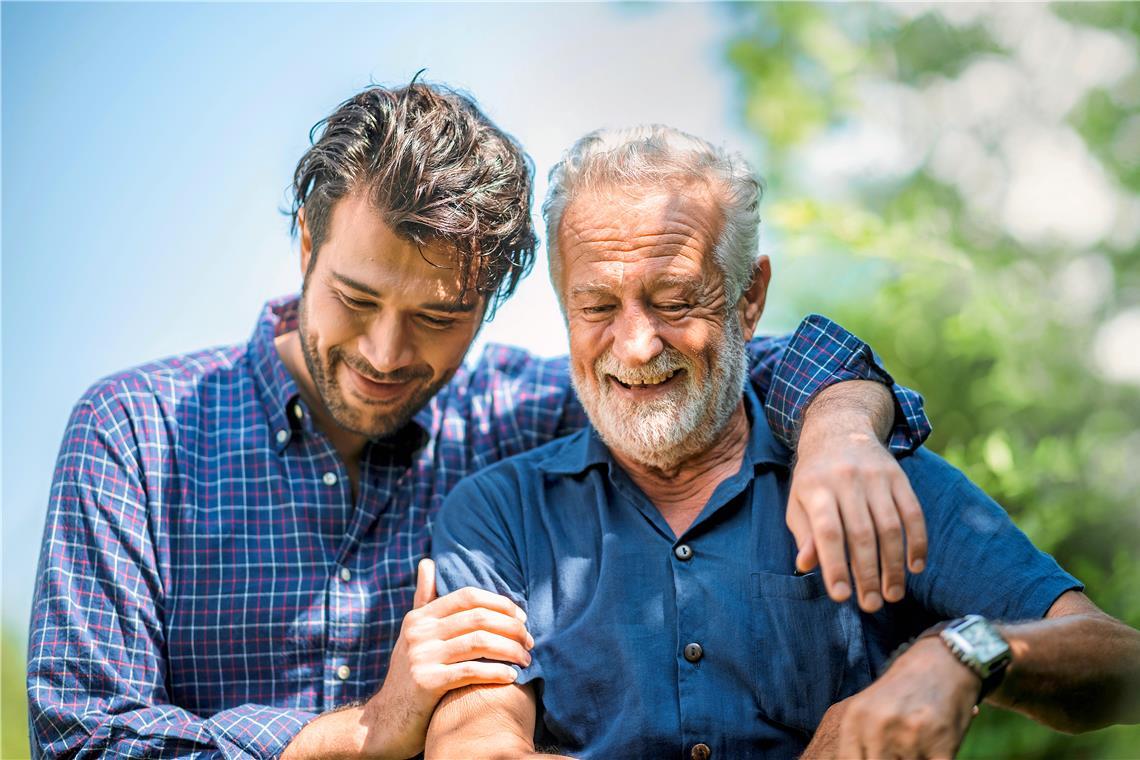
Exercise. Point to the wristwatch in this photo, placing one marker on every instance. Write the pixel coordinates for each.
(978, 645)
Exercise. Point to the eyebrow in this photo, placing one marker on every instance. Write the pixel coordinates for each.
(688, 284)
(449, 307)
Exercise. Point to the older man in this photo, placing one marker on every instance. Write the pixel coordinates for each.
(649, 549)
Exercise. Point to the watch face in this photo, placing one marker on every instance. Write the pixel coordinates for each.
(987, 644)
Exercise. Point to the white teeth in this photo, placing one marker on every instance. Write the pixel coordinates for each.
(655, 380)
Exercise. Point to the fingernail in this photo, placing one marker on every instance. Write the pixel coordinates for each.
(529, 641)
(528, 659)
(917, 566)
(894, 593)
(872, 601)
(520, 614)
(841, 590)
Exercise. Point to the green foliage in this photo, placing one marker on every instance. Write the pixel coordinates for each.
(13, 700)
(991, 328)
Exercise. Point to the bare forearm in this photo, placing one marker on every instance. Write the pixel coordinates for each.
(337, 735)
(1073, 673)
(855, 406)
(825, 740)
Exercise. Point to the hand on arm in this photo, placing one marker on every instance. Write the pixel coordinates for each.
(1077, 670)
(850, 499)
(440, 643)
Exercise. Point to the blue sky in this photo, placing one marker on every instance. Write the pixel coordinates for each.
(147, 148)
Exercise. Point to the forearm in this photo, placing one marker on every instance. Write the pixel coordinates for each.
(337, 735)
(855, 407)
(484, 723)
(1074, 673)
(825, 741)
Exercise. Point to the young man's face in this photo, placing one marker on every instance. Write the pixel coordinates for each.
(382, 325)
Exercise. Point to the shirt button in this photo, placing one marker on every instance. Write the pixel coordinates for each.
(343, 672)
(694, 652)
(700, 752)
(345, 574)
(329, 478)
(282, 436)
(683, 553)
(298, 412)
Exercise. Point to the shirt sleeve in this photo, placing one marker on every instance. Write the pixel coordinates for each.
(96, 666)
(978, 561)
(476, 543)
(789, 372)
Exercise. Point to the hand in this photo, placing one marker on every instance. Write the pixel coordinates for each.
(440, 643)
(920, 708)
(846, 484)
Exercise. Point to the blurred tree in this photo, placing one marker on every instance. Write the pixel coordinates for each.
(958, 185)
(13, 699)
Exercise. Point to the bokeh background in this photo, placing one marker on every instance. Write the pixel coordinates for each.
(957, 183)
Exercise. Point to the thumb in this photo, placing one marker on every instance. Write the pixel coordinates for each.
(425, 583)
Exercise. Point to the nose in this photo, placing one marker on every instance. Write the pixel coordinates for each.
(387, 343)
(636, 340)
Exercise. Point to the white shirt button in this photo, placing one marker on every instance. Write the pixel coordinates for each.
(329, 478)
(343, 672)
(282, 436)
(298, 412)
(345, 574)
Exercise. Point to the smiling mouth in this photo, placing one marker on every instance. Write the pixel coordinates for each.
(647, 383)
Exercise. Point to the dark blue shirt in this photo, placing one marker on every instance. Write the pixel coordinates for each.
(615, 602)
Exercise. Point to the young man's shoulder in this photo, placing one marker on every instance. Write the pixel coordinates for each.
(165, 383)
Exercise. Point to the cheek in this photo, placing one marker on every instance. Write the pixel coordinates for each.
(330, 324)
(444, 351)
(587, 343)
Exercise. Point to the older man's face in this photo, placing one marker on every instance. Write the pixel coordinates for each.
(657, 355)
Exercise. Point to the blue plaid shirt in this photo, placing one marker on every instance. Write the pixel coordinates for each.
(207, 584)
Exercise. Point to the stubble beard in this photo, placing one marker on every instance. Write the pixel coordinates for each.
(367, 421)
(665, 431)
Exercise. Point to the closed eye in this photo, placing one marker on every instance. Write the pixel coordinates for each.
(438, 323)
(354, 303)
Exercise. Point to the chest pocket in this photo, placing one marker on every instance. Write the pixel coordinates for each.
(808, 651)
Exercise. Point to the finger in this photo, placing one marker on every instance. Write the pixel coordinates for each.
(827, 534)
(807, 558)
(470, 673)
(482, 645)
(888, 530)
(425, 583)
(481, 619)
(800, 527)
(469, 598)
(861, 546)
(913, 521)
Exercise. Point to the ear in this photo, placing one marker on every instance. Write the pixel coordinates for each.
(306, 242)
(751, 303)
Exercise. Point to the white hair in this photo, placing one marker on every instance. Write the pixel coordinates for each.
(654, 155)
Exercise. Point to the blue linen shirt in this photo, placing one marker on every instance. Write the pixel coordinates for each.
(615, 605)
(207, 584)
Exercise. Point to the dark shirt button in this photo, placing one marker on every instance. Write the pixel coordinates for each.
(683, 553)
(693, 652)
(700, 752)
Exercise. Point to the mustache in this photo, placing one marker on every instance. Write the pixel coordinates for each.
(401, 375)
(668, 360)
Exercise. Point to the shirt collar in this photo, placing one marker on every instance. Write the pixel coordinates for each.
(288, 415)
(586, 448)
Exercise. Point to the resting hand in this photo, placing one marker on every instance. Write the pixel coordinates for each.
(851, 501)
(921, 707)
(440, 643)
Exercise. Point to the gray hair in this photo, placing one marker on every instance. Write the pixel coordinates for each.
(653, 155)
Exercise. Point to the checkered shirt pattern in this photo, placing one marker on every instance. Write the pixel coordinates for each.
(207, 584)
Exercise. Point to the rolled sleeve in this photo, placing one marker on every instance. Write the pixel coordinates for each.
(822, 353)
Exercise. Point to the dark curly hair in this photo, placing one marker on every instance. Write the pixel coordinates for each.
(436, 169)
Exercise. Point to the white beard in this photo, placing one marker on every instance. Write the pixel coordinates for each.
(665, 431)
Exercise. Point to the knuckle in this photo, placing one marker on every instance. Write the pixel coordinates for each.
(861, 533)
(829, 532)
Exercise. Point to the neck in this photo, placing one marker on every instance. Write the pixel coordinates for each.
(681, 491)
(348, 445)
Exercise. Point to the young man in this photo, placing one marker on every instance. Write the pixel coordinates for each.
(231, 545)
